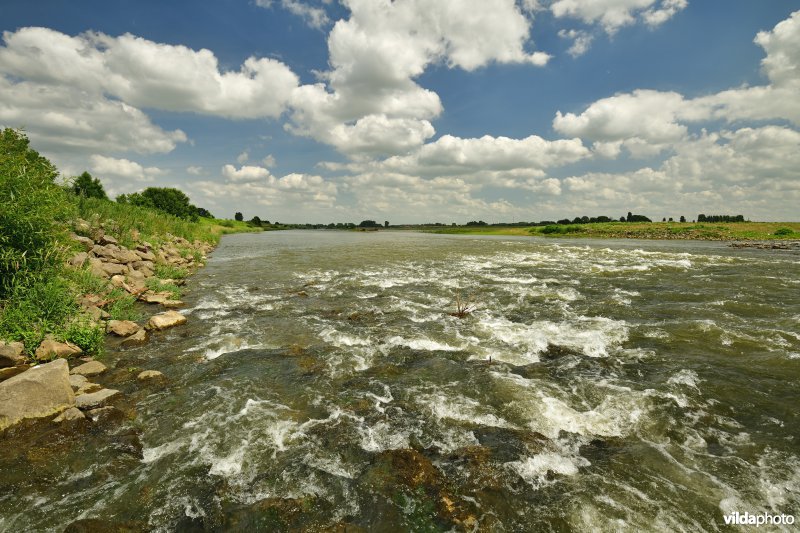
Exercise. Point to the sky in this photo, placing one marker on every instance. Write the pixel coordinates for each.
(417, 111)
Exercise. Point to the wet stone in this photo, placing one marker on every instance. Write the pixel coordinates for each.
(92, 368)
(93, 400)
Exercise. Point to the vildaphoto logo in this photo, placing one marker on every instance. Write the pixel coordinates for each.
(764, 519)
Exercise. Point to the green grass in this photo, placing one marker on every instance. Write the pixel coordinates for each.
(122, 306)
(642, 230)
(157, 285)
(170, 272)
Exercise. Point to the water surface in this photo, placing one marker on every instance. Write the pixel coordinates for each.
(322, 382)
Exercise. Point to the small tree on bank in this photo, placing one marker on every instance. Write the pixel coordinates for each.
(88, 187)
(238, 217)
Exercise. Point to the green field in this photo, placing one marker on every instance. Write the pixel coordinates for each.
(713, 231)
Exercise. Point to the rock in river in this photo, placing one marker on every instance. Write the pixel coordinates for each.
(38, 392)
(166, 320)
(53, 348)
(92, 368)
(122, 328)
(94, 399)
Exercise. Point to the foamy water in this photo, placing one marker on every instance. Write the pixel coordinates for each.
(592, 386)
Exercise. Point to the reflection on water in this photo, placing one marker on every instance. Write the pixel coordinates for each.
(322, 382)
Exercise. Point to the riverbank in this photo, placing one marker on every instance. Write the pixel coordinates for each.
(722, 231)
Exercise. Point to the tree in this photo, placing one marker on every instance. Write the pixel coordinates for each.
(88, 187)
(166, 199)
(238, 216)
(368, 224)
(205, 213)
(385, 223)
(255, 221)
(683, 218)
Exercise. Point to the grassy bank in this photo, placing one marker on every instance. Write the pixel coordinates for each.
(39, 293)
(722, 231)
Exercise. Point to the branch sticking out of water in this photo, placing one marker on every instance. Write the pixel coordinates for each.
(463, 306)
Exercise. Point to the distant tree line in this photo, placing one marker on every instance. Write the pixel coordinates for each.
(720, 218)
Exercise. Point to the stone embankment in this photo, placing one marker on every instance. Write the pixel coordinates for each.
(55, 380)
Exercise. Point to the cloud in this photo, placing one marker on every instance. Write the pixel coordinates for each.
(243, 157)
(316, 17)
(256, 184)
(269, 161)
(194, 171)
(614, 14)
(646, 122)
(581, 41)
(147, 74)
(123, 168)
(64, 120)
(368, 102)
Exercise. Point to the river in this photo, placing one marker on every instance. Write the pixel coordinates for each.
(322, 382)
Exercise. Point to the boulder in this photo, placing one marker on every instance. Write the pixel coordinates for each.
(92, 368)
(94, 400)
(108, 239)
(96, 314)
(96, 267)
(86, 242)
(11, 371)
(145, 255)
(118, 280)
(88, 388)
(165, 320)
(150, 376)
(73, 413)
(172, 304)
(38, 392)
(112, 269)
(123, 255)
(11, 354)
(77, 381)
(155, 297)
(140, 337)
(79, 259)
(122, 328)
(52, 348)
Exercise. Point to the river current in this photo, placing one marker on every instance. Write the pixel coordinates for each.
(323, 384)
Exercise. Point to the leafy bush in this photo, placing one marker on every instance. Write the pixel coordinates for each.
(87, 335)
(35, 208)
(166, 199)
(783, 232)
(122, 306)
(559, 229)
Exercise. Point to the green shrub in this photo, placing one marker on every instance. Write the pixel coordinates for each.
(122, 306)
(33, 216)
(156, 285)
(33, 311)
(783, 232)
(88, 336)
(561, 229)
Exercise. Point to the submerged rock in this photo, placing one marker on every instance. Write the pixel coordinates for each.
(151, 376)
(38, 392)
(71, 414)
(95, 399)
(165, 320)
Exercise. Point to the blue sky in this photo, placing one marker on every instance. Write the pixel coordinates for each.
(417, 110)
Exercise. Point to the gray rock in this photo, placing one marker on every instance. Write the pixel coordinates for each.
(77, 381)
(145, 255)
(92, 368)
(155, 297)
(79, 259)
(73, 413)
(94, 400)
(11, 354)
(122, 328)
(165, 320)
(88, 388)
(38, 392)
(50, 348)
(112, 269)
(11, 371)
(140, 337)
(108, 239)
(86, 242)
